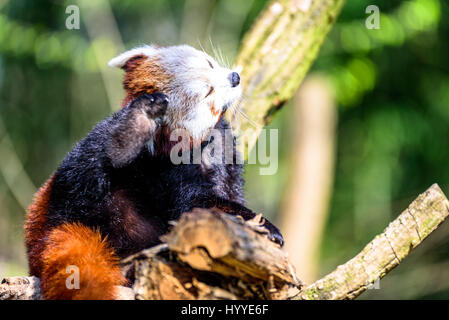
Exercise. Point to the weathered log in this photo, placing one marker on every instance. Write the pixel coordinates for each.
(20, 288)
(212, 255)
(28, 288)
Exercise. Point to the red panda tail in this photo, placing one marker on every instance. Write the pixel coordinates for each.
(78, 264)
(36, 227)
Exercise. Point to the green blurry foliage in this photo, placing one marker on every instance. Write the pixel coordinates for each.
(391, 87)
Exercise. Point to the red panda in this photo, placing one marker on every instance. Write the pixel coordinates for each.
(116, 191)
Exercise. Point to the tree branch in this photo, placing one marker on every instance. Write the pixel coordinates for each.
(304, 210)
(385, 251)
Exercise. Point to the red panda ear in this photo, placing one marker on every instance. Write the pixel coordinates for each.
(133, 62)
(132, 58)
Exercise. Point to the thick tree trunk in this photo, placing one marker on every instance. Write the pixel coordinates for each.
(304, 209)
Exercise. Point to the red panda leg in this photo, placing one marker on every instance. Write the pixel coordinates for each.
(74, 247)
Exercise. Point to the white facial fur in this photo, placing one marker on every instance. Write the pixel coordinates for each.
(191, 105)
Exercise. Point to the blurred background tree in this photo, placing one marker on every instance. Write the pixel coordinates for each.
(390, 88)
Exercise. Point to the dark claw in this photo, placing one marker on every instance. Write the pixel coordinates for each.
(275, 234)
(239, 210)
(160, 99)
(154, 104)
(146, 96)
(277, 238)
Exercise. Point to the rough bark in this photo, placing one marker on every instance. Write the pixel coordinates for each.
(212, 255)
(385, 251)
(275, 56)
(20, 288)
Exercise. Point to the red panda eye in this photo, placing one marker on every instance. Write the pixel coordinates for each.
(211, 90)
(210, 64)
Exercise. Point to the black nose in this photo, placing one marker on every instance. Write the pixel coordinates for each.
(234, 78)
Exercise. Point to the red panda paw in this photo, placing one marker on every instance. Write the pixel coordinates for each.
(155, 104)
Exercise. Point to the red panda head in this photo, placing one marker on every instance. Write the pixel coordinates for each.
(198, 88)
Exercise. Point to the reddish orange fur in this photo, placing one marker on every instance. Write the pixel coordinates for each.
(35, 227)
(143, 75)
(77, 245)
(214, 111)
(50, 252)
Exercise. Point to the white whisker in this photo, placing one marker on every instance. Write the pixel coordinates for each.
(201, 46)
(243, 114)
